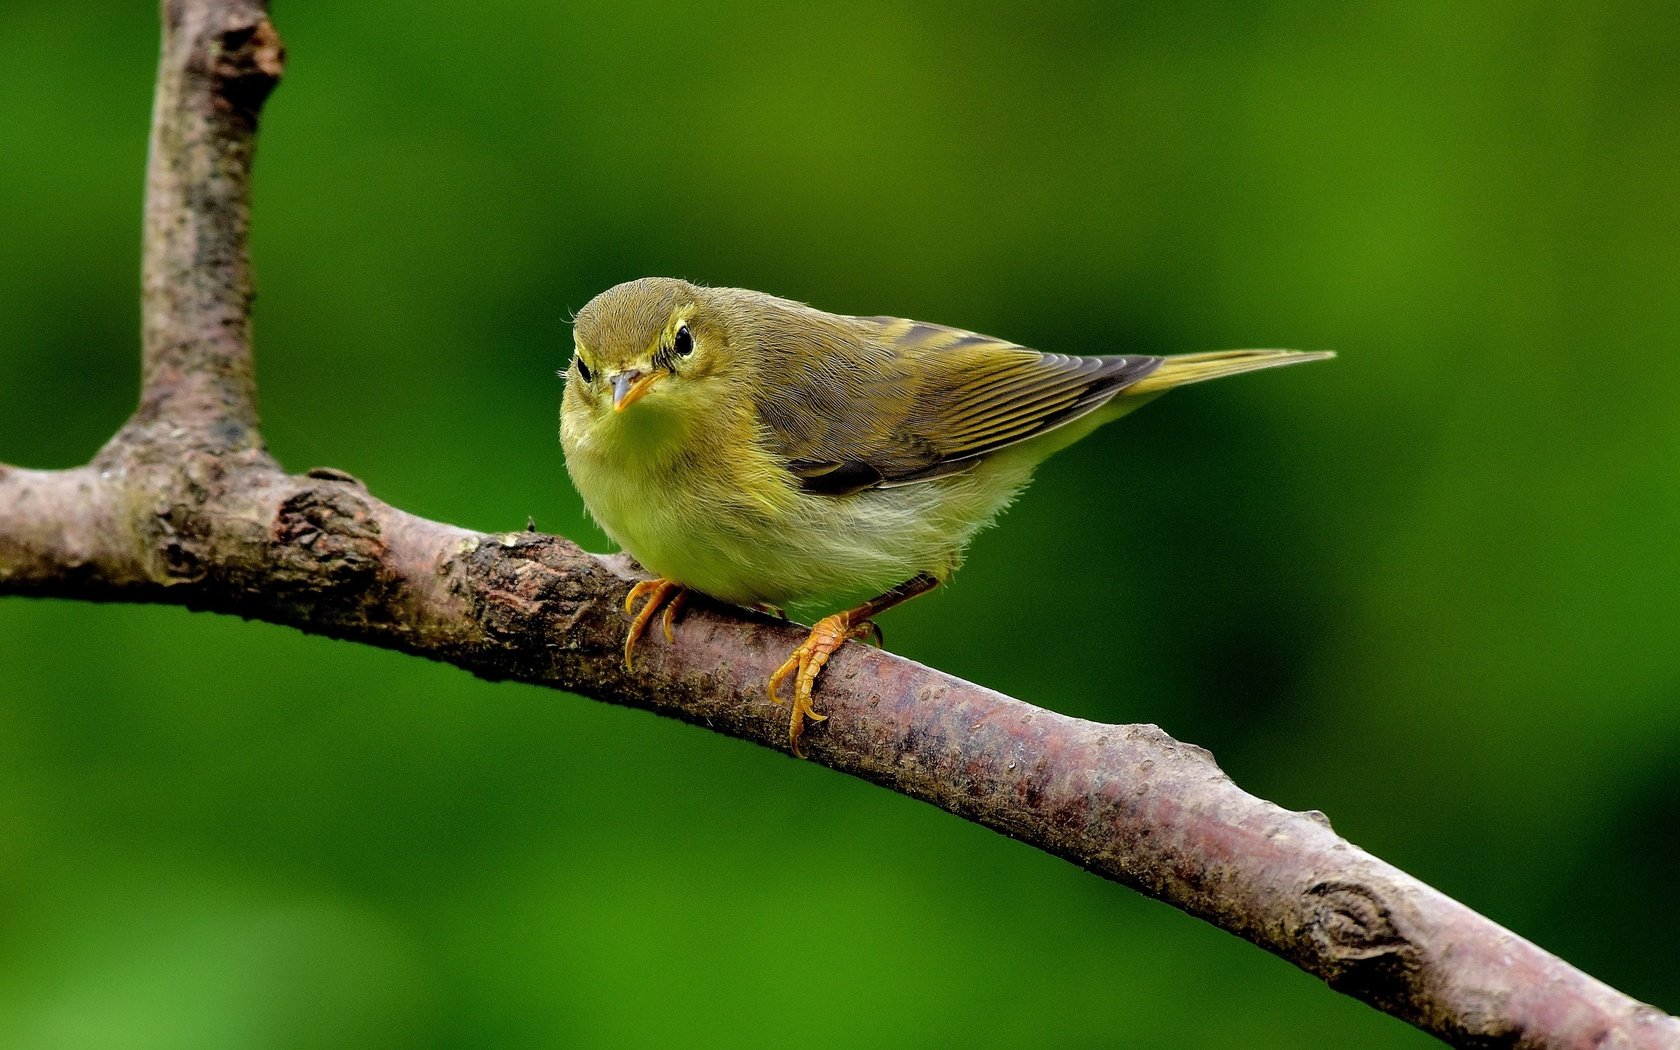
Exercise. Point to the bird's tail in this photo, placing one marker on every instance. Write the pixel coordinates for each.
(1193, 368)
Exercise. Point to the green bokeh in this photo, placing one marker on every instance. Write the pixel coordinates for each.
(1432, 589)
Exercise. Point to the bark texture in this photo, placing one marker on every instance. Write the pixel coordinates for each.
(185, 505)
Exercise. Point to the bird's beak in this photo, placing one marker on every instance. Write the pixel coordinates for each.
(629, 387)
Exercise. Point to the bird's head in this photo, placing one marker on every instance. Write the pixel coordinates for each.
(649, 355)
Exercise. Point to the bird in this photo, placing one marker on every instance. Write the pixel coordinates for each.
(762, 452)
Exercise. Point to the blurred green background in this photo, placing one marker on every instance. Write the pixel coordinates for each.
(1432, 588)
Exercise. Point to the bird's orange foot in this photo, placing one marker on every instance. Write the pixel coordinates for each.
(657, 592)
(830, 633)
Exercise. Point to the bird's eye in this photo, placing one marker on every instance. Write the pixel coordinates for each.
(683, 342)
(583, 369)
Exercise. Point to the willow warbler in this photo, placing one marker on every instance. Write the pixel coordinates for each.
(763, 452)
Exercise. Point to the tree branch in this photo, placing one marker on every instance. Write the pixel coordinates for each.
(219, 63)
(185, 506)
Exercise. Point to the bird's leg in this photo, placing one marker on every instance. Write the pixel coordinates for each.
(829, 634)
(656, 592)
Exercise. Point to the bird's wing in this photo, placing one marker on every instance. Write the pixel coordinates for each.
(885, 401)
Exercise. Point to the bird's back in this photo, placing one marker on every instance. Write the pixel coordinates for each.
(859, 402)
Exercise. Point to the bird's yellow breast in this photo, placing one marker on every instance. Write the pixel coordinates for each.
(688, 502)
(726, 518)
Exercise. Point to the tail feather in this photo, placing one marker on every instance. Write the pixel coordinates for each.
(1194, 368)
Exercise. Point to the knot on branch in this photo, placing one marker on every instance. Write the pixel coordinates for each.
(178, 533)
(182, 536)
(245, 66)
(528, 591)
(329, 532)
(1349, 921)
(1357, 937)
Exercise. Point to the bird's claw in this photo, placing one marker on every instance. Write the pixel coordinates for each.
(807, 661)
(657, 592)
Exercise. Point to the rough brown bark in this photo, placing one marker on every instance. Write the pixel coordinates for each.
(184, 505)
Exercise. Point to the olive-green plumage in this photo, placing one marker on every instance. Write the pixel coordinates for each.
(766, 453)
(761, 451)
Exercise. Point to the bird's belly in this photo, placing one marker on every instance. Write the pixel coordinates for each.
(679, 540)
(745, 555)
(801, 546)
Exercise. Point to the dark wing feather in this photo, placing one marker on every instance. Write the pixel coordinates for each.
(861, 402)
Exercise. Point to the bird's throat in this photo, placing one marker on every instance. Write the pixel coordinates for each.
(644, 432)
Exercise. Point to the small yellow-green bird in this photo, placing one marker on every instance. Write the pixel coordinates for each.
(763, 452)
